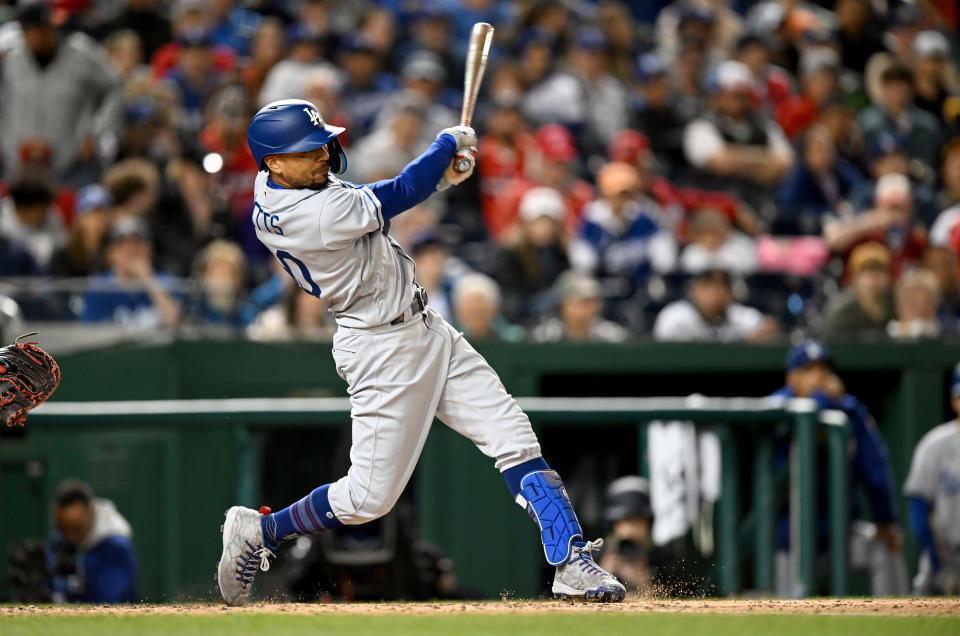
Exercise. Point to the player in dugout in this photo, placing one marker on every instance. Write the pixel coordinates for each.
(933, 486)
(875, 547)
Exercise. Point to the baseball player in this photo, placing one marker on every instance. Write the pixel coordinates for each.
(402, 362)
(933, 486)
(875, 547)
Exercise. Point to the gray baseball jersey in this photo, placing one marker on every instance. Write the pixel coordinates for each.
(330, 241)
(399, 376)
(935, 476)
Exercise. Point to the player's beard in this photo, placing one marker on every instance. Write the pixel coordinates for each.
(320, 185)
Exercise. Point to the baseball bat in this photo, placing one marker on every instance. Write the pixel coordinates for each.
(481, 37)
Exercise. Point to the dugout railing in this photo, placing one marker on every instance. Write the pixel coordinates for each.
(758, 417)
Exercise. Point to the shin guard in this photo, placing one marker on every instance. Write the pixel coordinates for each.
(545, 499)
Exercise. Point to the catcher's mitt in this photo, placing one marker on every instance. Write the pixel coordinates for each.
(28, 376)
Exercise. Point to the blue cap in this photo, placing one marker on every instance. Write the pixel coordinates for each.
(423, 240)
(955, 382)
(592, 39)
(750, 38)
(533, 36)
(885, 143)
(141, 110)
(301, 32)
(906, 14)
(821, 35)
(650, 66)
(695, 13)
(807, 353)
(195, 37)
(357, 42)
(91, 197)
(428, 13)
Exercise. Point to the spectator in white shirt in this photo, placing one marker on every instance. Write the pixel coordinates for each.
(710, 314)
(917, 298)
(583, 95)
(943, 226)
(29, 217)
(580, 313)
(733, 148)
(714, 244)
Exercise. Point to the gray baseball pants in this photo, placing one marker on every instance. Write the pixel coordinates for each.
(399, 377)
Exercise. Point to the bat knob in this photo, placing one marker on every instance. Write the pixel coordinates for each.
(465, 160)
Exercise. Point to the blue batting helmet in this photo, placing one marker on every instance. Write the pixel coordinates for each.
(293, 125)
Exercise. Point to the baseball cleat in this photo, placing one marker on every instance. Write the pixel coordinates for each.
(580, 578)
(243, 552)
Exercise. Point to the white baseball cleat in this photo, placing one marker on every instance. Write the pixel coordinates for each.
(243, 552)
(581, 578)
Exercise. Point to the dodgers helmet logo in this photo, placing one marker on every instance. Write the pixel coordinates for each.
(314, 116)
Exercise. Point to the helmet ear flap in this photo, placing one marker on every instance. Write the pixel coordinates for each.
(338, 158)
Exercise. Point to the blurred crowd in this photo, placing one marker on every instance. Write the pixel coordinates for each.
(688, 170)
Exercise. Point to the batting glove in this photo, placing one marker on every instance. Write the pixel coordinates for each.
(466, 161)
(465, 136)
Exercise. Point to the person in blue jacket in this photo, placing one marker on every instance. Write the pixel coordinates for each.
(875, 546)
(91, 556)
(819, 185)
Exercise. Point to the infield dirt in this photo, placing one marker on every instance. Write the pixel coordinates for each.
(848, 606)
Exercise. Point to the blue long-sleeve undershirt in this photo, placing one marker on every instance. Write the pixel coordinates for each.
(418, 180)
(919, 513)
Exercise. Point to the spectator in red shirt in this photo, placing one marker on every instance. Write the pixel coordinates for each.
(195, 78)
(554, 167)
(633, 147)
(507, 149)
(36, 157)
(226, 135)
(772, 84)
(819, 69)
(189, 17)
(890, 223)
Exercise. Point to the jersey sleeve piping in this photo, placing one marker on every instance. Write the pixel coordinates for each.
(377, 207)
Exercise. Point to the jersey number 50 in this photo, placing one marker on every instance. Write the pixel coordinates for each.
(300, 273)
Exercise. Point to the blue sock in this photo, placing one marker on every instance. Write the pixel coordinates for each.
(515, 474)
(310, 515)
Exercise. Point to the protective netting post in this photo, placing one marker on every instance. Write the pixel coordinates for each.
(728, 557)
(839, 498)
(803, 496)
(763, 506)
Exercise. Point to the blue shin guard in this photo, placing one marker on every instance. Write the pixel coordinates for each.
(543, 496)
